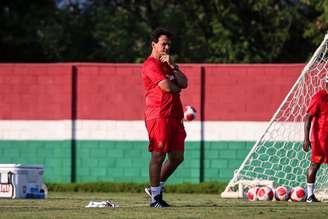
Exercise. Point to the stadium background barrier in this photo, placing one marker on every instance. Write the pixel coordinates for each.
(84, 121)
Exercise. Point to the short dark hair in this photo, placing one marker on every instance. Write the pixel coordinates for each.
(159, 32)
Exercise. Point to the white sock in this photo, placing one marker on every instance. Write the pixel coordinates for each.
(154, 192)
(310, 189)
(161, 184)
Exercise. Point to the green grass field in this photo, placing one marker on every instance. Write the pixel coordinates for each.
(135, 205)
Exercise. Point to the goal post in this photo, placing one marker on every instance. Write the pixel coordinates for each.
(278, 156)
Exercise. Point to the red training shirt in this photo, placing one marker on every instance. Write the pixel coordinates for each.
(159, 104)
(318, 108)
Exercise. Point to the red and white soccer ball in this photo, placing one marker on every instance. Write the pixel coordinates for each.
(297, 194)
(265, 193)
(281, 193)
(189, 113)
(252, 194)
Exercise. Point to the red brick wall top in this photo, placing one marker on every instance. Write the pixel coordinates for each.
(233, 92)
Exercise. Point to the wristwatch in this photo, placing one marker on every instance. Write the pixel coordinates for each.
(176, 68)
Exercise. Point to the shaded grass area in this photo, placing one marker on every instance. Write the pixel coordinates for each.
(135, 205)
(208, 187)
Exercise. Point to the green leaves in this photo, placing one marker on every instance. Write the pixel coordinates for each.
(213, 31)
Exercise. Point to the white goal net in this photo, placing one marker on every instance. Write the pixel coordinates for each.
(278, 155)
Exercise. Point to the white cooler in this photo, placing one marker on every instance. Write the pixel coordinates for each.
(22, 181)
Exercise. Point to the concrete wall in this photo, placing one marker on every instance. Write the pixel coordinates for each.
(84, 122)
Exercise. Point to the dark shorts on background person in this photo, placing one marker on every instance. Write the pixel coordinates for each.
(165, 135)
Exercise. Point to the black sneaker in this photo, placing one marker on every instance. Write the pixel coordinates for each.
(311, 199)
(159, 203)
(164, 203)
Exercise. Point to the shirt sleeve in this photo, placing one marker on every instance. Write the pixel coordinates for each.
(154, 72)
(314, 105)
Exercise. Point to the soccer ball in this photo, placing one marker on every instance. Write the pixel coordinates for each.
(189, 113)
(297, 194)
(265, 193)
(281, 193)
(251, 194)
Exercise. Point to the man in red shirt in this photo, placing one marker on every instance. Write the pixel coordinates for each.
(163, 81)
(317, 115)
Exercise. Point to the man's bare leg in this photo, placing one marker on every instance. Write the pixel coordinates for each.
(175, 158)
(155, 166)
(311, 177)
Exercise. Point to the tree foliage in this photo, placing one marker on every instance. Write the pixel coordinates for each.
(213, 31)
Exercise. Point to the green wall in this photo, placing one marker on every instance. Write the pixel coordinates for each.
(54, 155)
(122, 161)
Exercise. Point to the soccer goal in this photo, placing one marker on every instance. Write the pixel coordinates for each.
(278, 156)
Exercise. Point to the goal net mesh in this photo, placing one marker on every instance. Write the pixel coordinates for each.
(278, 155)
